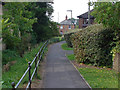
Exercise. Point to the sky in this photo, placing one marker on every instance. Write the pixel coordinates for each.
(78, 7)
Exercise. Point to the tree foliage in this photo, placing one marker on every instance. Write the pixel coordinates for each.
(43, 27)
(20, 16)
(108, 13)
(27, 23)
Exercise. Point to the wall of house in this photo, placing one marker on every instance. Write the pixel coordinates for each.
(65, 28)
(81, 22)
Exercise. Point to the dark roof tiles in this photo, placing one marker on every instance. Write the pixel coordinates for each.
(66, 22)
(85, 15)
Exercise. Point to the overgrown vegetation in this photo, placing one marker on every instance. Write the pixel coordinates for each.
(107, 13)
(65, 47)
(100, 78)
(17, 70)
(8, 56)
(93, 45)
(24, 24)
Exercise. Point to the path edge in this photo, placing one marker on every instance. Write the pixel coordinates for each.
(79, 73)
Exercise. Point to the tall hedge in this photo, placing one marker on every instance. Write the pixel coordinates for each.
(68, 39)
(67, 36)
(93, 45)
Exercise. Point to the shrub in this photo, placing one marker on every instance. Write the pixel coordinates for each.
(67, 36)
(93, 45)
(68, 39)
(9, 55)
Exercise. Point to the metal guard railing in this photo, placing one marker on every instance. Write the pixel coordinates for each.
(38, 55)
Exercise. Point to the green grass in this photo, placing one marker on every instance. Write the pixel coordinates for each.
(71, 57)
(65, 47)
(100, 78)
(17, 70)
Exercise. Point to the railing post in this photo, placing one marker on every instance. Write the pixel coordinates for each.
(29, 75)
(13, 85)
(36, 65)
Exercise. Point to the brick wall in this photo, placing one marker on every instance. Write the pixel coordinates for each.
(65, 28)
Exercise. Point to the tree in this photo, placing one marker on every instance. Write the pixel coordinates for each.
(42, 28)
(9, 39)
(19, 15)
(54, 29)
(108, 13)
(21, 20)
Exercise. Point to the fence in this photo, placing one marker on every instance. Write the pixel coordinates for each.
(37, 56)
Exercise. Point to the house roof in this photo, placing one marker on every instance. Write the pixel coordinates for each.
(68, 22)
(85, 15)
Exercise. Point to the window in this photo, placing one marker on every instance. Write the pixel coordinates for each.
(61, 27)
(85, 21)
(69, 27)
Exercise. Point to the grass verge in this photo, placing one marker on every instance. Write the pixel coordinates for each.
(65, 47)
(100, 78)
(71, 57)
(17, 70)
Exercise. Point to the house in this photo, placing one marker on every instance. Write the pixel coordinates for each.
(83, 19)
(67, 25)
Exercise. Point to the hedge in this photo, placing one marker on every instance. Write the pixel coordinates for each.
(68, 39)
(93, 45)
(67, 36)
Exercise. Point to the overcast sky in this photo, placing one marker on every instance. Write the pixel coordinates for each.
(61, 6)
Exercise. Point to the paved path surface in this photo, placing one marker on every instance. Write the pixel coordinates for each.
(60, 73)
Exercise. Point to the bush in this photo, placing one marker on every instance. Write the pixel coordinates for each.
(93, 45)
(67, 36)
(8, 55)
(56, 39)
(68, 39)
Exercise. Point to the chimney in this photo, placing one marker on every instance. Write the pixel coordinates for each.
(66, 17)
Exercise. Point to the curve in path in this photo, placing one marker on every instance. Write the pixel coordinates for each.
(60, 73)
